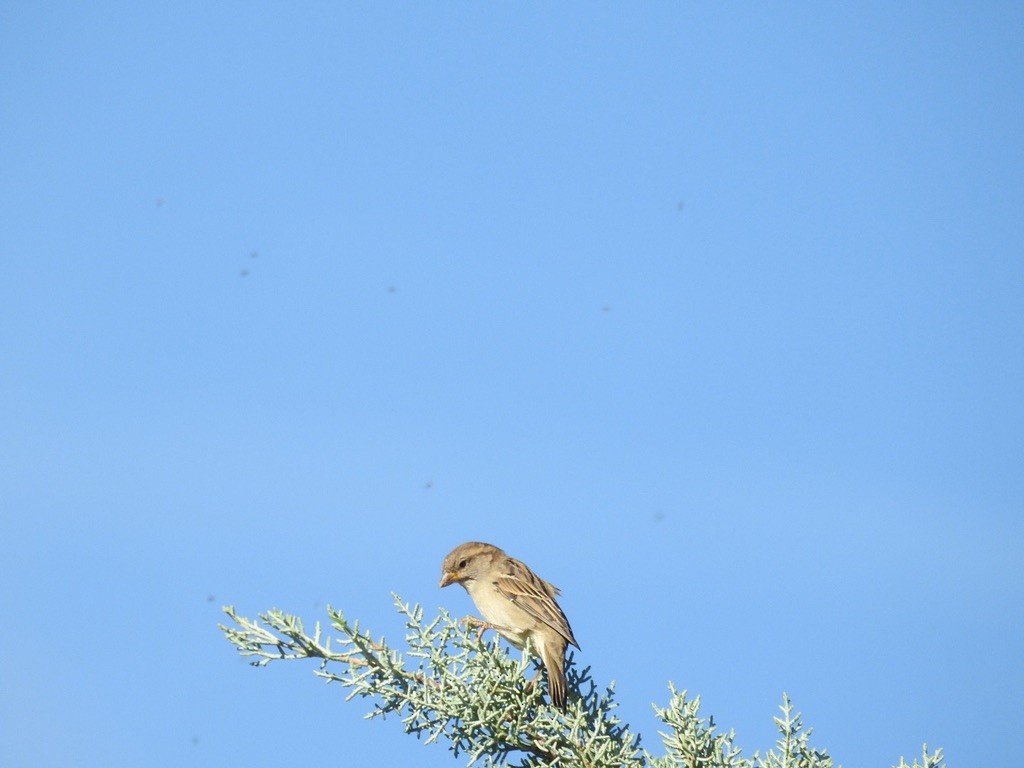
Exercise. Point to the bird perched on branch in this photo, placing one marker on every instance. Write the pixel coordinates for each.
(517, 603)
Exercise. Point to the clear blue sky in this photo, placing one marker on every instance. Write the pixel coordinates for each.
(713, 314)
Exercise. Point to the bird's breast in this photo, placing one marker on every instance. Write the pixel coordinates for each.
(510, 620)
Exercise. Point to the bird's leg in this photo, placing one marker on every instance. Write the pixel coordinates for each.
(473, 621)
(529, 653)
(533, 680)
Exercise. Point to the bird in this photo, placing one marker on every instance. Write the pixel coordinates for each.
(517, 603)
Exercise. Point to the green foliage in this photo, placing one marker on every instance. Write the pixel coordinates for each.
(451, 685)
(932, 760)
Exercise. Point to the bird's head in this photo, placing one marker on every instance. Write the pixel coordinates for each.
(467, 562)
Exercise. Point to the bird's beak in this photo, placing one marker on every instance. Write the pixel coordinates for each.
(447, 578)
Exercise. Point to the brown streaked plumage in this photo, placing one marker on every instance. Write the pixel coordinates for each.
(517, 603)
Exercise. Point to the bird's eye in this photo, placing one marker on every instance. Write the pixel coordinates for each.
(462, 564)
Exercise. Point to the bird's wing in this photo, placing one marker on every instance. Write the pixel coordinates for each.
(535, 596)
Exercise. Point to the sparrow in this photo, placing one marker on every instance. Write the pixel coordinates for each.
(517, 603)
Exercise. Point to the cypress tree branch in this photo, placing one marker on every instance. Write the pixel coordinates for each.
(451, 685)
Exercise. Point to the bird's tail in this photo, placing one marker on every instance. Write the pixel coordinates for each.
(553, 656)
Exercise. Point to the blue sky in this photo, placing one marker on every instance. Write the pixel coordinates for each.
(712, 314)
